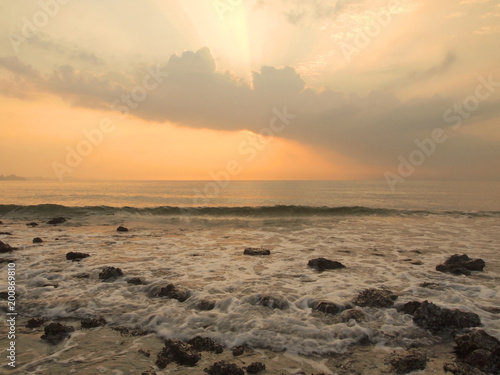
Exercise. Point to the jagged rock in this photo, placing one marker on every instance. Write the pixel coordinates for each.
(175, 292)
(273, 302)
(109, 273)
(407, 361)
(37, 240)
(131, 331)
(322, 264)
(32, 224)
(224, 368)
(479, 349)
(121, 229)
(205, 344)
(409, 307)
(326, 307)
(205, 305)
(238, 350)
(461, 265)
(35, 322)
(375, 298)
(56, 333)
(145, 353)
(350, 314)
(136, 281)
(56, 220)
(93, 322)
(435, 318)
(6, 248)
(178, 352)
(256, 367)
(76, 256)
(256, 251)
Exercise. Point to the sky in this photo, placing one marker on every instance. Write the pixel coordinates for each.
(251, 89)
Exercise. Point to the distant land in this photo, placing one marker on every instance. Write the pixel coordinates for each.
(11, 177)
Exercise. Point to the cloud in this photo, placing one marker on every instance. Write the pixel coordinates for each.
(448, 61)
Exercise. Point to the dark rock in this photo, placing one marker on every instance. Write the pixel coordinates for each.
(375, 298)
(35, 322)
(121, 229)
(435, 318)
(461, 265)
(83, 275)
(178, 352)
(57, 220)
(32, 224)
(6, 248)
(1, 223)
(205, 305)
(273, 302)
(205, 344)
(131, 331)
(407, 361)
(417, 263)
(479, 349)
(56, 333)
(6, 260)
(350, 314)
(149, 372)
(6, 233)
(409, 307)
(76, 256)
(429, 285)
(93, 322)
(5, 295)
(461, 369)
(109, 273)
(37, 240)
(238, 350)
(326, 307)
(175, 292)
(136, 281)
(322, 264)
(224, 368)
(145, 353)
(256, 251)
(256, 367)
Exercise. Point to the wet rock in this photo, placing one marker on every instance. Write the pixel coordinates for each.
(352, 314)
(35, 322)
(224, 368)
(6, 248)
(409, 307)
(205, 344)
(322, 264)
(131, 331)
(121, 229)
(56, 220)
(32, 224)
(37, 240)
(56, 333)
(435, 318)
(461, 369)
(407, 361)
(145, 353)
(178, 352)
(326, 307)
(93, 322)
(205, 305)
(479, 349)
(175, 292)
(136, 281)
(110, 273)
(461, 265)
(76, 256)
(375, 298)
(238, 350)
(273, 302)
(83, 275)
(256, 251)
(256, 367)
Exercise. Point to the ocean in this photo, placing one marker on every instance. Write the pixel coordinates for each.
(193, 233)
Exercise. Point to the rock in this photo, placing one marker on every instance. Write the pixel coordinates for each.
(178, 352)
(256, 367)
(110, 273)
(224, 368)
(407, 361)
(145, 353)
(6, 248)
(409, 307)
(350, 314)
(37, 240)
(238, 350)
(6, 260)
(5, 233)
(149, 372)
(326, 307)
(461, 369)
(375, 298)
(56, 220)
(35, 322)
(121, 229)
(136, 281)
(430, 285)
(1, 222)
(417, 263)
(76, 256)
(435, 318)
(175, 292)
(461, 265)
(83, 275)
(256, 251)
(5, 295)
(273, 302)
(322, 264)
(131, 331)
(32, 224)
(479, 349)
(93, 322)
(205, 305)
(56, 333)
(205, 344)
